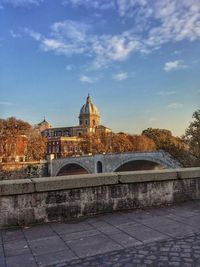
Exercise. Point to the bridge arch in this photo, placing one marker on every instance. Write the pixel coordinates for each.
(148, 163)
(137, 165)
(72, 168)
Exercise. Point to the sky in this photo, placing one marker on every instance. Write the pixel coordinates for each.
(138, 59)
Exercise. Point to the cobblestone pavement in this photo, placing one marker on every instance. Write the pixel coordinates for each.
(168, 236)
(183, 252)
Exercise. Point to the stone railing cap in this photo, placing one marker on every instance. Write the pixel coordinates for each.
(26, 186)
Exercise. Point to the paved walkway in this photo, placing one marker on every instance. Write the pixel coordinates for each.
(168, 236)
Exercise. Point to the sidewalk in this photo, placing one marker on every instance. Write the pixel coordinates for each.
(168, 236)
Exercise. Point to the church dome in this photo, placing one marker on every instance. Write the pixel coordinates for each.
(89, 108)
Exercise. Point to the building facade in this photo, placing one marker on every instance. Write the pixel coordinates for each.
(63, 141)
(14, 150)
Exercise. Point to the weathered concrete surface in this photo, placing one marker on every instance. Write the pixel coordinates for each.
(111, 162)
(30, 201)
(16, 187)
(77, 181)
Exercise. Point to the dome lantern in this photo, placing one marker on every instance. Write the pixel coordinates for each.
(89, 114)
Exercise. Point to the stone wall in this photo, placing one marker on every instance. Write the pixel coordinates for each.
(111, 162)
(23, 170)
(37, 200)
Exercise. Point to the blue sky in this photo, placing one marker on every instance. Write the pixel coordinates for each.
(138, 59)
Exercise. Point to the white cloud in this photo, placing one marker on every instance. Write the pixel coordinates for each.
(14, 34)
(173, 20)
(109, 48)
(35, 35)
(175, 105)
(174, 65)
(154, 23)
(120, 76)
(96, 4)
(71, 30)
(87, 79)
(68, 67)
(21, 3)
(70, 37)
(166, 93)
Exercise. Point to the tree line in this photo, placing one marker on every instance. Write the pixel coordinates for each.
(186, 148)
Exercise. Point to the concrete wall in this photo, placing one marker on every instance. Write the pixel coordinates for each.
(35, 200)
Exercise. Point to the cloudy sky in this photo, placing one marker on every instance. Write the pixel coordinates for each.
(138, 59)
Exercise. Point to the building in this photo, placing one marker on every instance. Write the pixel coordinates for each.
(14, 150)
(63, 141)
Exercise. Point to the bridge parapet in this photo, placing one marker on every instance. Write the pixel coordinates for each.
(37, 200)
(111, 162)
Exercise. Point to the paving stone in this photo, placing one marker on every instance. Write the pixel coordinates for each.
(174, 264)
(1, 238)
(117, 219)
(163, 258)
(175, 229)
(21, 261)
(11, 235)
(1, 251)
(88, 246)
(38, 231)
(16, 248)
(155, 221)
(54, 258)
(67, 228)
(78, 235)
(143, 233)
(125, 240)
(47, 245)
(102, 243)
(2, 261)
(183, 212)
(148, 262)
(193, 221)
(106, 227)
(140, 215)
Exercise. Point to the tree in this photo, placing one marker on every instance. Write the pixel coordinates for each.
(192, 135)
(18, 136)
(92, 143)
(142, 143)
(115, 142)
(10, 131)
(36, 146)
(164, 140)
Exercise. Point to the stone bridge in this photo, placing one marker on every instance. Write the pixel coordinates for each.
(112, 163)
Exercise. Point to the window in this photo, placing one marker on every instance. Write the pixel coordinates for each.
(86, 122)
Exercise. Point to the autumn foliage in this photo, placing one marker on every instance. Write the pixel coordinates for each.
(18, 138)
(113, 143)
